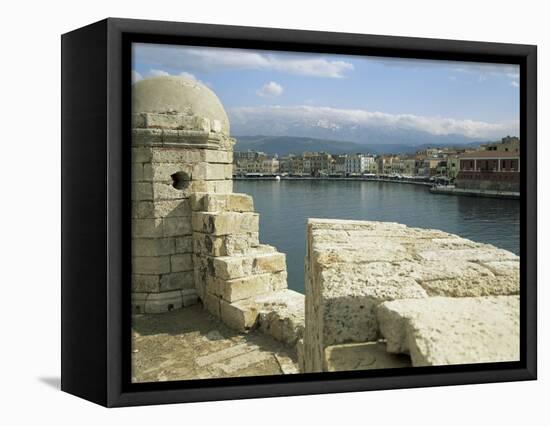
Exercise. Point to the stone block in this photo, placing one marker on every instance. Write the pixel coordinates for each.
(362, 356)
(189, 297)
(211, 171)
(253, 262)
(184, 244)
(225, 223)
(142, 191)
(147, 136)
(217, 156)
(177, 227)
(226, 245)
(153, 246)
(239, 316)
(218, 186)
(177, 281)
(162, 172)
(207, 202)
(181, 262)
(446, 331)
(241, 288)
(353, 266)
(143, 209)
(158, 303)
(137, 172)
(147, 228)
(138, 302)
(142, 154)
(145, 283)
(211, 303)
(176, 155)
(166, 191)
(151, 265)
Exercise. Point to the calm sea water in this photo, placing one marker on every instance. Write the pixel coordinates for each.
(285, 206)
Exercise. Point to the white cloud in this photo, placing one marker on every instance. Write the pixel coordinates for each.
(514, 83)
(290, 118)
(211, 59)
(187, 75)
(157, 73)
(485, 71)
(270, 90)
(136, 76)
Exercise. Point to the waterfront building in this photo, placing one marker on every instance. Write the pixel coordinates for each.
(490, 170)
(358, 163)
(507, 144)
(338, 165)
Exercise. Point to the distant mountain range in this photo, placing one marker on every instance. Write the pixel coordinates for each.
(283, 145)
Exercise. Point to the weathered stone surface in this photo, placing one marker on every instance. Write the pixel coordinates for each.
(166, 191)
(177, 281)
(189, 297)
(170, 95)
(225, 245)
(142, 154)
(137, 172)
(225, 223)
(176, 227)
(211, 303)
(157, 303)
(240, 288)
(353, 266)
(175, 155)
(151, 265)
(142, 191)
(217, 156)
(442, 330)
(229, 267)
(362, 356)
(189, 344)
(212, 171)
(208, 202)
(240, 317)
(181, 262)
(184, 244)
(279, 314)
(147, 228)
(138, 302)
(153, 246)
(145, 283)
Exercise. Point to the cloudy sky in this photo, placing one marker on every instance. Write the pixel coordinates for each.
(264, 91)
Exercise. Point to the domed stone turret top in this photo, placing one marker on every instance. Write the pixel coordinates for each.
(181, 96)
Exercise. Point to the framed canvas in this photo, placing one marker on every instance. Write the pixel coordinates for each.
(255, 212)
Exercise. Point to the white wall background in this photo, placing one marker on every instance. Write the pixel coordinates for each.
(30, 225)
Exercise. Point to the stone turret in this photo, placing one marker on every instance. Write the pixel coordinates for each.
(193, 238)
(180, 146)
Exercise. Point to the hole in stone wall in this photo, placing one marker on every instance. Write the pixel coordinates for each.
(180, 180)
(170, 307)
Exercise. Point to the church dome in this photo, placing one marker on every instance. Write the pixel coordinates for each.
(173, 94)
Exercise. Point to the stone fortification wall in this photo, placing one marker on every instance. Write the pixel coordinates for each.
(425, 293)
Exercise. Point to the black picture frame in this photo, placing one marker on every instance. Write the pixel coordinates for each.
(95, 289)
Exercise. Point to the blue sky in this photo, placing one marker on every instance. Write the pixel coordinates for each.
(471, 99)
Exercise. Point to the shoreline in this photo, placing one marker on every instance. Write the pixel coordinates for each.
(327, 178)
(433, 188)
(443, 190)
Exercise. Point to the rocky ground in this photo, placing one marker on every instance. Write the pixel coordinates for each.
(189, 343)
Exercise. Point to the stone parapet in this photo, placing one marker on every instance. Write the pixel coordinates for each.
(451, 330)
(354, 266)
